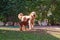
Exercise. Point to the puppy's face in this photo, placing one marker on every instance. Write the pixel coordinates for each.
(33, 14)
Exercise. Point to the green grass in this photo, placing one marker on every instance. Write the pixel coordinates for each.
(30, 35)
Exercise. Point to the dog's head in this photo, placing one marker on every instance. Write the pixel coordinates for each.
(33, 14)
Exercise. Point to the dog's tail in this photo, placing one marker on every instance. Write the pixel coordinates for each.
(20, 15)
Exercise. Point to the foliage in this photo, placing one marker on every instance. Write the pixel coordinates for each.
(56, 13)
(11, 8)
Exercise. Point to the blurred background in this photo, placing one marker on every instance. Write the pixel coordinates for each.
(48, 11)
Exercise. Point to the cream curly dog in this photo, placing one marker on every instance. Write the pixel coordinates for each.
(27, 20)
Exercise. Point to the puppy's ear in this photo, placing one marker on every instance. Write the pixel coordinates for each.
(35, 15)
(20, 15)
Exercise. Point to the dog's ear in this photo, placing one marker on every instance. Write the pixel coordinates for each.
(20, 15)
(35, 15)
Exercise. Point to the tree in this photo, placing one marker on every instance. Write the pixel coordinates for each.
(11, 8)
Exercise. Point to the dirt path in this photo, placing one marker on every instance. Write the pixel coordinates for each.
(47, 28)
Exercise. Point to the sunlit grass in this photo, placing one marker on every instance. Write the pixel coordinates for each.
(55, 34)
(9, 28)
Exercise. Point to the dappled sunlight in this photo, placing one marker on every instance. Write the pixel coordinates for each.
(7, 28)
(55, 34)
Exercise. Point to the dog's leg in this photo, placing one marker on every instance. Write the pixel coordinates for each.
(30, 26)
(23, 28)
(20, 28)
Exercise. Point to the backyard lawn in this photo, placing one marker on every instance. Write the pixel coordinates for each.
(27, 35)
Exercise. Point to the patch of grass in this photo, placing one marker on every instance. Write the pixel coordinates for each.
(29, 35)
